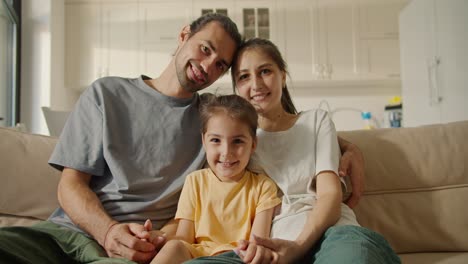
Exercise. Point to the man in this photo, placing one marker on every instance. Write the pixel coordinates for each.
(125, 152)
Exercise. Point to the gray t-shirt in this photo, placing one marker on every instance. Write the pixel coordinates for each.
(137, 144)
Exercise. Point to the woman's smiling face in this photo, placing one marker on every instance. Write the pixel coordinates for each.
(259, 80)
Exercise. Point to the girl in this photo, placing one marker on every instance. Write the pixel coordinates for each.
(224, 203)
(300, 152)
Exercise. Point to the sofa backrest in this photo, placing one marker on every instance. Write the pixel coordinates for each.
(416, 186)
(28, 188)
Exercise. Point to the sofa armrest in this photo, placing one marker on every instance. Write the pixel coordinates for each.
(28, 184)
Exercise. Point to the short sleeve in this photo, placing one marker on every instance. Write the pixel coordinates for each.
(268, 197)
(327, 153)
(80, 145)
(186, 206)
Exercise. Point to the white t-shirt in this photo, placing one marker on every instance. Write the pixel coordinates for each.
(293, 158)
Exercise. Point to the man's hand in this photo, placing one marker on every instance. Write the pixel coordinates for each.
(131, 241)
(352, 165)
(267, 250)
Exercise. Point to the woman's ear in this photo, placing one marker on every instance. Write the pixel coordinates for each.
(283, 80)
(254, 144)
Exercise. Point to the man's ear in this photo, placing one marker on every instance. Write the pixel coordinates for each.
(184, 34)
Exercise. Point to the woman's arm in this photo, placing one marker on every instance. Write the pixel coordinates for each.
(326, 212)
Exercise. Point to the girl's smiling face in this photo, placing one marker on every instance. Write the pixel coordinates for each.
(228, 144)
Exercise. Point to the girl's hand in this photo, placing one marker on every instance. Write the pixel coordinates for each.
(155, 237)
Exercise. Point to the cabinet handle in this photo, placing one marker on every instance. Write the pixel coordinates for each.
(434, 91)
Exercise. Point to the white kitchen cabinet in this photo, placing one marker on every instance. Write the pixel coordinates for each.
(161, 23)
(378, 38)
(341, 40)
(225, 7)
(434, 61)
(101, 40)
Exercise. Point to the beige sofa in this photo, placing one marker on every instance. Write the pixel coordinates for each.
(416, 187)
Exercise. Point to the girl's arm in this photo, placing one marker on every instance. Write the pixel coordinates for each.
(185, 231)
(262, 223)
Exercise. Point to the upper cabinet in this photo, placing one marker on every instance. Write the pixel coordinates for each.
(160, 23)
(101, 40)
(378, 38)
(326, 42)
(341, 40)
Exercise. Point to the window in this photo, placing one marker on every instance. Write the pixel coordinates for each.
(9, 62)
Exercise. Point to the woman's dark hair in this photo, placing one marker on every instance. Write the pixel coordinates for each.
(232, 105)
(228, 25)
(272, 51)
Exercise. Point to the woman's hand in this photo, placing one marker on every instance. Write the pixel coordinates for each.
(352, 165)
(266, 250)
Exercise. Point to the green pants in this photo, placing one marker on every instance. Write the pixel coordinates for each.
(47, 242)
(339, 245)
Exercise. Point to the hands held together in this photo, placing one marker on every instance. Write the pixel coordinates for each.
(267, 250)
(133, 241)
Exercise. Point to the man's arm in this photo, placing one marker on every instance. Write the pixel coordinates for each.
(352, 165)
(85, 209)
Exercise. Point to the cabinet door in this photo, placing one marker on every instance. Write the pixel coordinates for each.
(417, 67)
(451, 73)
(299, 48)
(161, 22)
(120, 39)
(225, 7)
(378, 37)
(336, 40)
(256, 18)
(82, 44)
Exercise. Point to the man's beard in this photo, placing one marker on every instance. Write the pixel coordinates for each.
(187, 84)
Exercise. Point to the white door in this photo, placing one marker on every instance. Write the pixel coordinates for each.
(452, 72)
(418, 64)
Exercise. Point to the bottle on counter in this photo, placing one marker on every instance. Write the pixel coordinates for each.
(367, 118)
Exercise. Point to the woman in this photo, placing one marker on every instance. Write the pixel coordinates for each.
(300, 152)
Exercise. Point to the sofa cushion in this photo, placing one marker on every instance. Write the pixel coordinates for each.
(29, 184)
(416, 186)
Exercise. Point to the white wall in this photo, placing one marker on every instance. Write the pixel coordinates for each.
(42, 62)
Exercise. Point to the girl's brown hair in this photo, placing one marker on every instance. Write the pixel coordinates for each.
(233, 105)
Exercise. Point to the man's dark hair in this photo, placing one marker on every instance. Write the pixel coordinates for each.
(228, 25)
